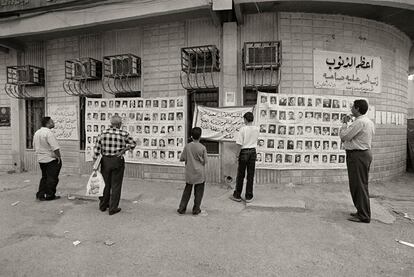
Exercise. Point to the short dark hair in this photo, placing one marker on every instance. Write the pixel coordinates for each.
(361, 105)
(249, 116)
(196, 133)
(45, 120)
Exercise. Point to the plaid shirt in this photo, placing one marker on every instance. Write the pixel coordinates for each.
(112, 141)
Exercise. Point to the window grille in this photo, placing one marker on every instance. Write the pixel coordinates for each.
(35, 111)
(208, 98)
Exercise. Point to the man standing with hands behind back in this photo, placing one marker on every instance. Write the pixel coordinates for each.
(112, 145)
(247, 140)
(48, 156)
(357, 138)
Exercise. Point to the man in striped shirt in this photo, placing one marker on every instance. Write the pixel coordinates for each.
(112, 144)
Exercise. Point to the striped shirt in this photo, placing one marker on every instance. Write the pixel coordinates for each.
(112, 141)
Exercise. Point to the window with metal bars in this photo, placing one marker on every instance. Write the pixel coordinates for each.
(208, 98)
(82, 109)
(250, 94)
(35, 111)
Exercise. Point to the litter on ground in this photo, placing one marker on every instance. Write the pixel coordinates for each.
(405, 243)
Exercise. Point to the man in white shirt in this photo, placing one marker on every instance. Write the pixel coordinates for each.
(48, 156)
(357, 139)
(247, 140)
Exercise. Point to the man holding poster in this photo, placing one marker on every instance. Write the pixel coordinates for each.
(247, 140)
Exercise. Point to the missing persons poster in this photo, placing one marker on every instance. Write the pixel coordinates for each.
(156, 124)
(301, 131)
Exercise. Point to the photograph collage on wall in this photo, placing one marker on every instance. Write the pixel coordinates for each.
(156, 124)
(301, 131)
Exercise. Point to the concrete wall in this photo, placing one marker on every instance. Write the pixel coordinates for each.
(410, 111)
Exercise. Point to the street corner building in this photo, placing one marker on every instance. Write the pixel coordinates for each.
(167, 65)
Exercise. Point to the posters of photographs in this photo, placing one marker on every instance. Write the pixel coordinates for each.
(156, 124)
(346, 71)
(220, 124)
(300, 131)
(66, 121)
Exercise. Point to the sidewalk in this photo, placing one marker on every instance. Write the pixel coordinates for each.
(387, 198)
(288, 230)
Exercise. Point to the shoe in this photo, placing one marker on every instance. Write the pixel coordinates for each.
(359, 220)
(354, 214)
(249, 200)
(49, 198)
(103, 209)
(232, 197)
(117, 210)
(181, 211)
(196, 212)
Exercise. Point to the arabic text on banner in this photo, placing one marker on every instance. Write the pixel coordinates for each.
(337, 70)
(300, 131)
(220, 124)
(66, 121)
(156, 124)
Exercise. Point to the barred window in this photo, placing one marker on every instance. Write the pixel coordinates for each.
(35, 111)
(208, 98)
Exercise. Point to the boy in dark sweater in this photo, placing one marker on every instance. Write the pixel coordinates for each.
(195, 157)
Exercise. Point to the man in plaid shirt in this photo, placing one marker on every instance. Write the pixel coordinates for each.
(112, 144)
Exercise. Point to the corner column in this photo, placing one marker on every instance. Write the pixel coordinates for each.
(230, 96)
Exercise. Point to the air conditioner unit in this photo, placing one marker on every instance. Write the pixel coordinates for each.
(262, 55)
(198, 59)
(28, 75)
(125, 65)
(83, 69)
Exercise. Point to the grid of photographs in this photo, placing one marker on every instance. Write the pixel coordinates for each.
(156, 124)
(301, 131)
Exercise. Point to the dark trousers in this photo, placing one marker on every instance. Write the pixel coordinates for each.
(49, 180)
(112, 169)
(198, 196)
(247, 160)
(358, 163)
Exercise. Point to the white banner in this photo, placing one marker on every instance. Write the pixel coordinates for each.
(301, 131)
(66, 121)
(346, 71)
(220, 124)
(156, 124)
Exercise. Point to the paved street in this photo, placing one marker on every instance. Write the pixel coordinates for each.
(289, 230)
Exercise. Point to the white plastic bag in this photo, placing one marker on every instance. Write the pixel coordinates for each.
(96, 184)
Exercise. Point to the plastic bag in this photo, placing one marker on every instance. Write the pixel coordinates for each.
(96, 184)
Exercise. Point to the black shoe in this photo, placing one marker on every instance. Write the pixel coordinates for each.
(359, 220)
(103, 209)
(196, 212)
(237, 199)
(249, 200)
(115, 211)
(49, 198)
(181, 211)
